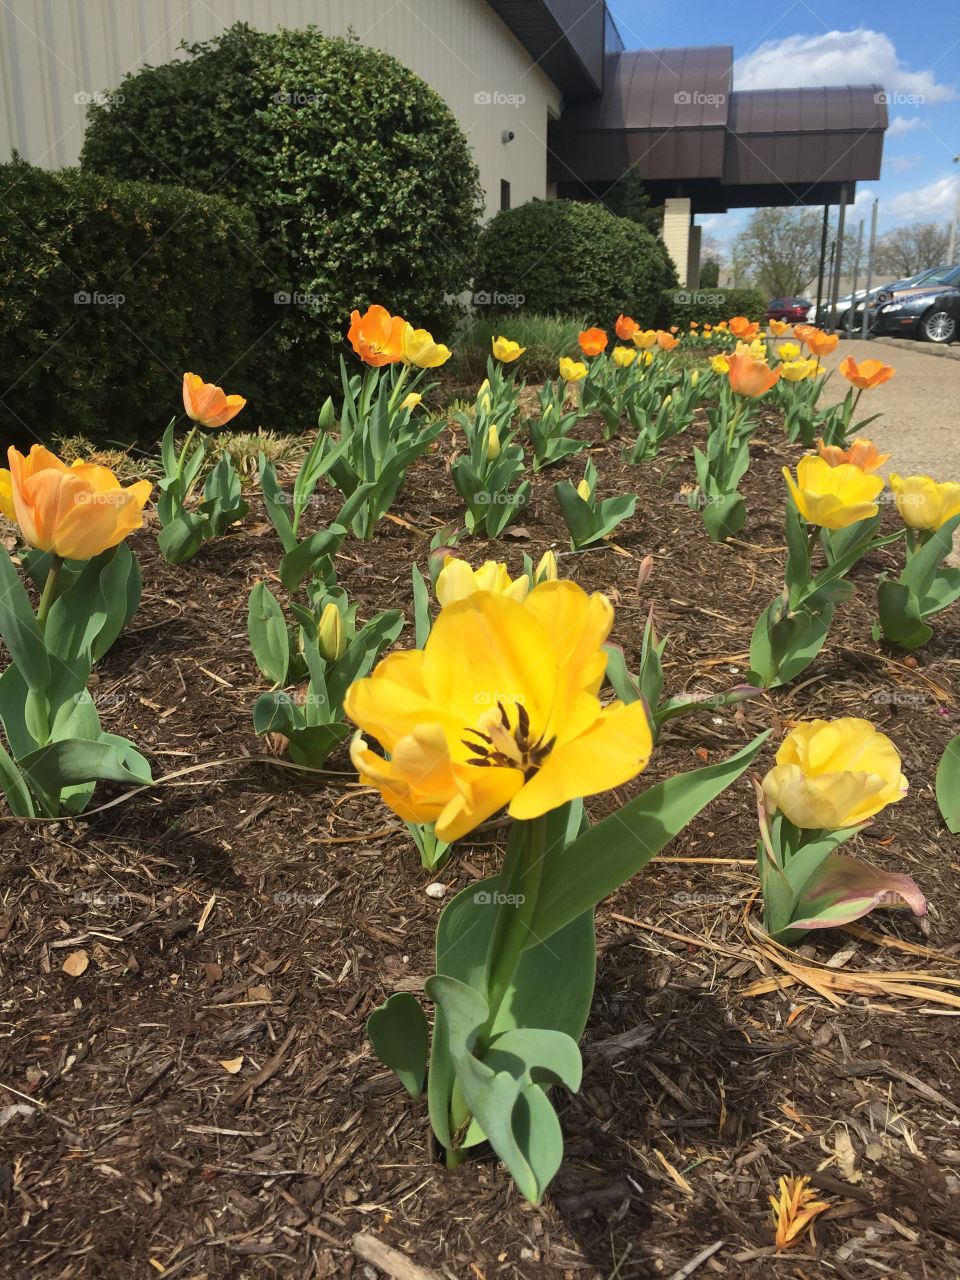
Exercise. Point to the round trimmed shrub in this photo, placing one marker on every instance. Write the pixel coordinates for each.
(570, 257)
(358, 174)
(109, 291)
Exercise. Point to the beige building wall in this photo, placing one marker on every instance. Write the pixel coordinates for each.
(55, 53)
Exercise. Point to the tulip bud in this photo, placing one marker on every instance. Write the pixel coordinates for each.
(583, 490)
(330, 637)
(695, 377)
(645, 573)
(327, 416)
(666, 400)
(493, 443)
(546, 570)
(411, 401)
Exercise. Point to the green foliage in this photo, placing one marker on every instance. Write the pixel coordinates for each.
(708, 305)
(629, 199)
(56, 750)
(516, 961)
(566, 256)
(359, 177)
(545, 337)
(180, 262)
(709, 274)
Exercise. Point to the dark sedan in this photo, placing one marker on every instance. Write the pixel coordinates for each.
(793, 310)
(924, 310)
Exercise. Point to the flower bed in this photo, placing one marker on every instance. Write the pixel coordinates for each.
(242, 919)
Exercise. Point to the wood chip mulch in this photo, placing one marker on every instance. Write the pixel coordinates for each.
(199, 1100)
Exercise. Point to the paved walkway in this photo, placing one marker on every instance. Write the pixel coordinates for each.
(919, 407)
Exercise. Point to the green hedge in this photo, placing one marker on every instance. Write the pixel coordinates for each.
(108, 292)
(709, 306)
(570, 257)
(361, 180)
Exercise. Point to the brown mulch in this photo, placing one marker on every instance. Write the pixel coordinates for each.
(253, 915)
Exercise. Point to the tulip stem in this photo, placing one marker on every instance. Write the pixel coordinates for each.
(512, 933)
(183, 452)
(49, 593)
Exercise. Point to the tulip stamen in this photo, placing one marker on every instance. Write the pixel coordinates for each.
(506, 747)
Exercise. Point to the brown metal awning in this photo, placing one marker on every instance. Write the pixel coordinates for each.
(672, 116)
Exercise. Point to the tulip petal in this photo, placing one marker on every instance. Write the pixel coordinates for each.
(612, 751)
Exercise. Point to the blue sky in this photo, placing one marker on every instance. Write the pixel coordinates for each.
(912, 48)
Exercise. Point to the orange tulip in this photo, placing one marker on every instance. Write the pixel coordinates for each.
(820, 343)
(694, 324)
(749, 376)
(666, 341)
(870, 373)
(593, 341)
(862, 453)
(376, 336)
(743, 328)
(803, 331)
(673, 328)
(206, 404)
(77, 511)
(626, 327)
(778, 327)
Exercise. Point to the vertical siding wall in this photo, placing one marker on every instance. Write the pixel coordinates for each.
(53, 52)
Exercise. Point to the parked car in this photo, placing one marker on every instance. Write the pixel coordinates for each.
(849, 312)
(793, 310)
(923, 310)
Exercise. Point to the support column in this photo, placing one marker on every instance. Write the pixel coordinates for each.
(693, 257)
(676, 234)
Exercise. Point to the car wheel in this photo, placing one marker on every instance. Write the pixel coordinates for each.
(938, 326)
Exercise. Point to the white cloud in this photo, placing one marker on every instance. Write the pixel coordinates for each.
(901, 164)
(862, 56)
(903, 124)
(934, 202)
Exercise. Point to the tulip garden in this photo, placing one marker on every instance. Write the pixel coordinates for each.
(513, 835)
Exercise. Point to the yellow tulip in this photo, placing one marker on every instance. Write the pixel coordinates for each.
(923, 503)
(833, 497)
(507, 351)
(457, 580)
(624, 356)
(332, 641)
(583, 490)
(572, 370)
(695, 377)
(797, 370)
(493, 442)
(832, 774)
(645, 338)
(411, 401)
(418, 348)
(77, 511)
(6, 495)
(499, 708)
(645, 357)
(789, 350)
(546, 570)
(719, 364)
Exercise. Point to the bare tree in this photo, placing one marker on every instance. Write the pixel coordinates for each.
(904, 251)
(778, 251)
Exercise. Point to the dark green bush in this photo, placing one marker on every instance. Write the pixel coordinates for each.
(361, 181)
(567, 257)
(709, 306)
(165, 271)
